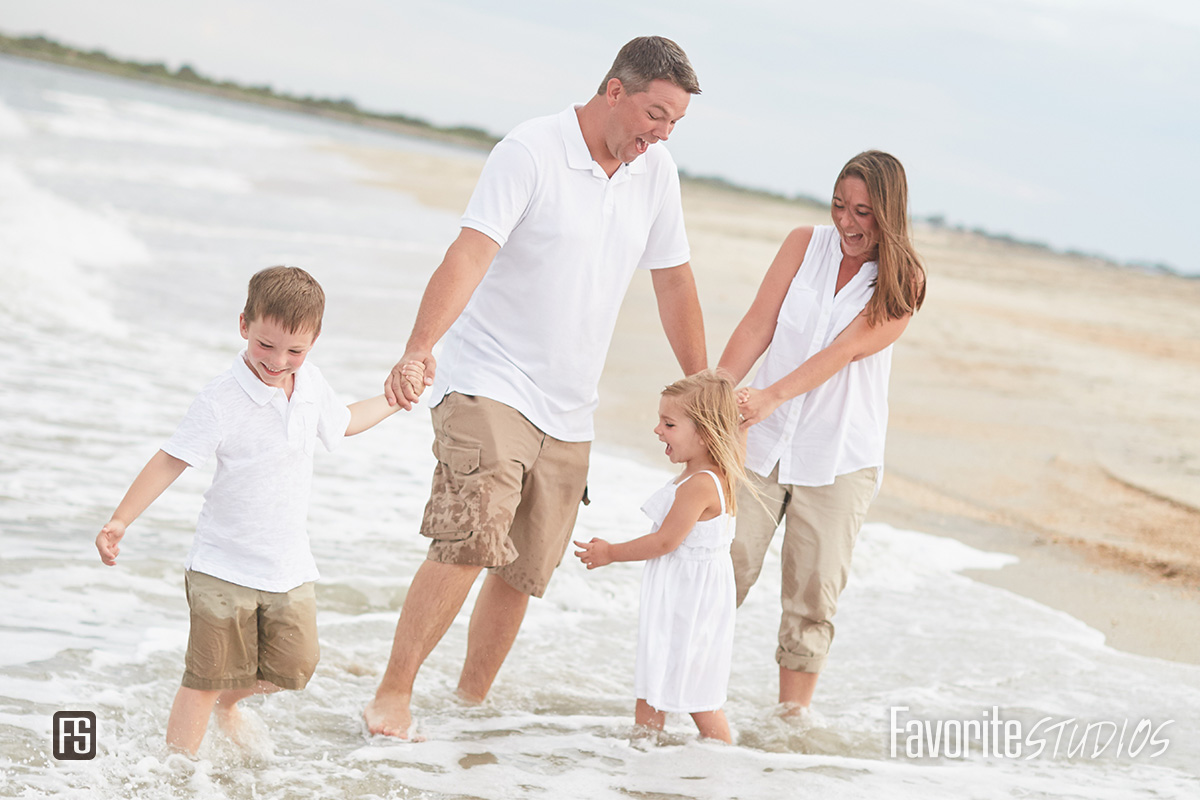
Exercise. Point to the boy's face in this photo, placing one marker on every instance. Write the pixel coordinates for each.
(273, 353)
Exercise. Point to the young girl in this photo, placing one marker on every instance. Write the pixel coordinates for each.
(685, 628)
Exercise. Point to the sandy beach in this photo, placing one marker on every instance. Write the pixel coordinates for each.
(1043, 405)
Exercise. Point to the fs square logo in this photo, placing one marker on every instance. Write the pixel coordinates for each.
(74, 735)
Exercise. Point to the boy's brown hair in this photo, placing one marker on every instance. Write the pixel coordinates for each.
(288, 295)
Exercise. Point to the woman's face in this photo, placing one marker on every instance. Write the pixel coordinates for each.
(855, 219)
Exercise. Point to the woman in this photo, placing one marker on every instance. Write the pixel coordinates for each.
(832, 303)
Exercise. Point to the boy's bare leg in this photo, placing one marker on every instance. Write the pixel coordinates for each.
(499, 611)
(647, 716)
(229, 716)
(436, 594)
(796, 690)
(713, 725)
(189, 719)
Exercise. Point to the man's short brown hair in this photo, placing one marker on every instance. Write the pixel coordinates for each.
(651, 58)
(288, 295)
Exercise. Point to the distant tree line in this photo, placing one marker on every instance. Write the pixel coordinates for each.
(188, 77)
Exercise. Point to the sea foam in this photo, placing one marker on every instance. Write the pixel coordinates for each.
(48, 244)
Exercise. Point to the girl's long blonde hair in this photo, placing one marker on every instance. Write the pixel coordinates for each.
(900, 284)
(707, 399)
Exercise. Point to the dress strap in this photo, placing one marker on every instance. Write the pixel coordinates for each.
(716, 480)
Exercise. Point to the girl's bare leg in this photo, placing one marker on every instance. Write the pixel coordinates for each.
(713, 725)
(647, 716)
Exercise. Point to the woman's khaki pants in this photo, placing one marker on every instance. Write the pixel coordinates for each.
(821, 525)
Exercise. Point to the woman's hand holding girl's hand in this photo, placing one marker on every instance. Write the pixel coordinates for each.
(755, 405)
(596, 553)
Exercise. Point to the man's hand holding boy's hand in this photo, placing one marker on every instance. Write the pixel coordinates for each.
(108, 542)
(403, 388)
(412, 376)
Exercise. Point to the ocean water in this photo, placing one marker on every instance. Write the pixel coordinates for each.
(130, 219)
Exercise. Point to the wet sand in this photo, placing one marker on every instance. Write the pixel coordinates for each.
(1042, 405)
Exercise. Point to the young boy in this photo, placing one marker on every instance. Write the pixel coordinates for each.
(249, 576)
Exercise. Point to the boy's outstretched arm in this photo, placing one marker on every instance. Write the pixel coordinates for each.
(159, 473)
(368, 413)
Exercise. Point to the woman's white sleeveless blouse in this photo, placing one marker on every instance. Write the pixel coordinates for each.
(840, 426)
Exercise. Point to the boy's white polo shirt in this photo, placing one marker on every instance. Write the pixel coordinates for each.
(252, 529)
(536, 331)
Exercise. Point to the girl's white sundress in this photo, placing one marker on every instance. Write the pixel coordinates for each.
(685, 627)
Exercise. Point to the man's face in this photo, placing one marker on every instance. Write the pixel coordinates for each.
(637, 121)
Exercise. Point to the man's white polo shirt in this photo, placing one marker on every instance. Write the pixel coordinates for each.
(535, 333)
(252, 529)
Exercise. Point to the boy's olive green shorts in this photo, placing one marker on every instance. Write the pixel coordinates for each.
(505, 495)
(240, 635)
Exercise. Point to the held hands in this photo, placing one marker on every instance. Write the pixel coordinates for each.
(108, 542)
(596, 553)
(755, 405)
(412, 375)
(408, 379)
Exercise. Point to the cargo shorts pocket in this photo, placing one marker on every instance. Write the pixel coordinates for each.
(453, 511)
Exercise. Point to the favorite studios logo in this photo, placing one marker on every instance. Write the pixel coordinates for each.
(74, 735)
(992, 736)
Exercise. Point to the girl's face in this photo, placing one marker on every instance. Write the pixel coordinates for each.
(678, 432)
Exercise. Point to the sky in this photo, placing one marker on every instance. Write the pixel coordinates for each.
(1072, 123)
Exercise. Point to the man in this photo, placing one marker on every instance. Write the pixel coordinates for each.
(566, 209)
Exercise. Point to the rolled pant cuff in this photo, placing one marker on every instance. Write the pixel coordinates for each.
(799, 663)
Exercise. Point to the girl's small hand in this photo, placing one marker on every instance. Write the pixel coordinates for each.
(755, 405)
(596, 553)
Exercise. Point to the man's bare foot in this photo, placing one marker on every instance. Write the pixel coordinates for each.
(389, 715)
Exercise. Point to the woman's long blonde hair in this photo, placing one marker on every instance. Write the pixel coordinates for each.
(707, 399)
(900, 284)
